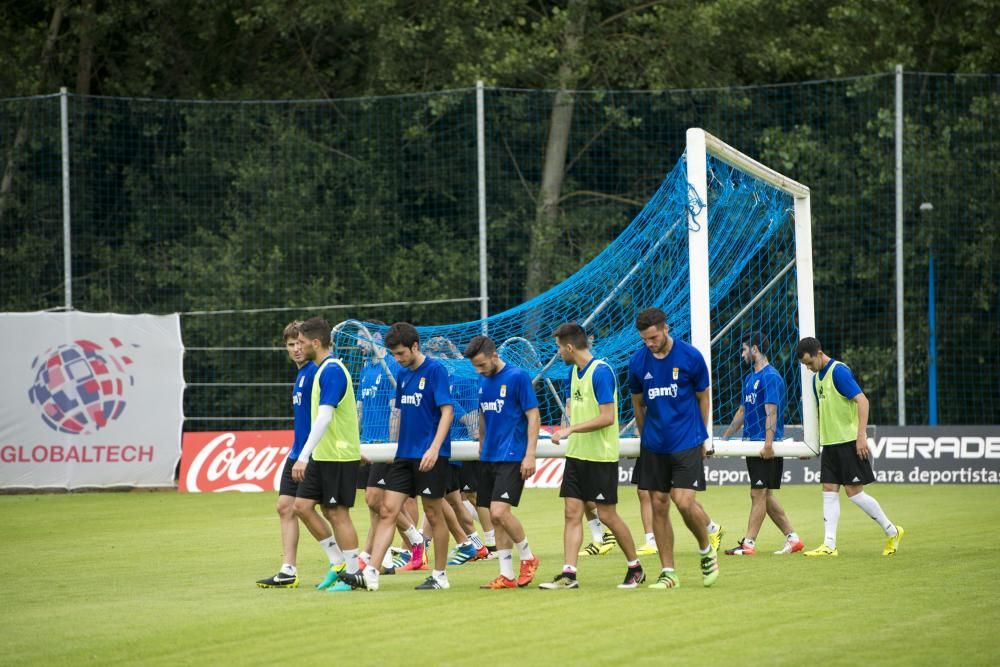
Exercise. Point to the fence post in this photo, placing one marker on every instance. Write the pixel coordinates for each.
(67, 248)
(481, 170)
(900, 341)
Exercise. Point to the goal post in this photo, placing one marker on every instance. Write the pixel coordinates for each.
(700, 145)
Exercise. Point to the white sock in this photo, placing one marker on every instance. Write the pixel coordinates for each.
(831, 517)
(524, 549)
(596, 530)
(871, 507)
(351, 557)
(633, 563)
(371, 574)
(471, 509)
(506, 558)
(650, 538)
(440, 575)
(712, 527)
(748, 542)
(569, 568)
(333, 552)
(792, 536)
(287, 568)
(476, 542)
(414, 535)
(707, 550)
(365, 556)
(490, 538)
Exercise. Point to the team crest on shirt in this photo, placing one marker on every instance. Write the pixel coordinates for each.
(503, 390)
(677, 373)
(423, 381)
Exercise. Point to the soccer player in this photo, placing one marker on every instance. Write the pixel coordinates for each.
(508, 435)
(672, 405)
(762, 416)
(327, 468)
(420, 466)
(287, 576)
(845, 459)
(377, 390)
(591, 471)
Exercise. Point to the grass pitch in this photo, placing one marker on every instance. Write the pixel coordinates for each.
(168, 578)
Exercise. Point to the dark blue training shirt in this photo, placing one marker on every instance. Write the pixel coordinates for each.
(503, 400)
(302, 408)
(673, 419)
(420, 394)
(760, 388)
(376, 391)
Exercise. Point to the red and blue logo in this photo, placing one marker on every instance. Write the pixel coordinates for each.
(81, 386)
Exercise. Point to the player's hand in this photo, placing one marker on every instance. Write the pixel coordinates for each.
(767, 452)
(707, 448)
(862, 447)
(527, 467)
(559, 434)
(428, 460)
(365, 460)
(298, 471)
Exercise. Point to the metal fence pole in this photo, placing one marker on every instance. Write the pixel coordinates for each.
(67, 250)
(900, 340)
(481, 169)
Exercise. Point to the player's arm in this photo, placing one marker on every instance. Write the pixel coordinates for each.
(534, 425)
(639, 411)
(862, 402)
(430, 457)
(606, 417)
(736, 424)
(705, 407)
(482, 433)
(323, 418)
(770, 428)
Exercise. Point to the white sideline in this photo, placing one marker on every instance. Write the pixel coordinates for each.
(468, 450)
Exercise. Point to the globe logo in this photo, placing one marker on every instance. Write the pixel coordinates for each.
(80, 386)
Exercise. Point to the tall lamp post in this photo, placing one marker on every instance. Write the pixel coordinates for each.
(926, 215)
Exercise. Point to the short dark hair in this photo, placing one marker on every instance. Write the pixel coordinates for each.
(401, 333)
(756, 339)
(808, 346)
(291, 330)
(316, 328)
(480, 344)
(573, 334)
(651, 317)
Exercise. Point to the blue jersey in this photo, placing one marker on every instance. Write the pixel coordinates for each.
(419, 396)
(302, 408)
(332, 384)
(668, 387)
(760, 388)
(503, 399)
(843, 380)
(375, 391)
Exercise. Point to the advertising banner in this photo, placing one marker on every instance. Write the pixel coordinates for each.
(234, 460)
(90, 399)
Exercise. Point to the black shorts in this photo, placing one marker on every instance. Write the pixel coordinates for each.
(330, 483)
(590, 480)
(765, 473)
(454, 478)
(840, 464)
(636, 469)
(404, 476)
(499, 482)
(677, 470)
(378, 475)
(364, 470)
(469, 476)
(288, 486)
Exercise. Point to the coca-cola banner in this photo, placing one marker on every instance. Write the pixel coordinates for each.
(89, 399)
(234, 460)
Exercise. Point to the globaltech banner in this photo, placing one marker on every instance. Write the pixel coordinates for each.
(90, 399)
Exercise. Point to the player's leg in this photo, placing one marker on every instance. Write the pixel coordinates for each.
(758, 469)
(287, 576)
(602, 540)
(830, 477)
(893, 533)
(504, 493)
(663, 530)
(648, 547)
(687, 473)
(434, 484)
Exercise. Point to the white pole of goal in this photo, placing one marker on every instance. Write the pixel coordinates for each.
(67, 225)
(701, 327)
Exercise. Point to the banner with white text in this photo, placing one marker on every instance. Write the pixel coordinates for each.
(90, 400)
